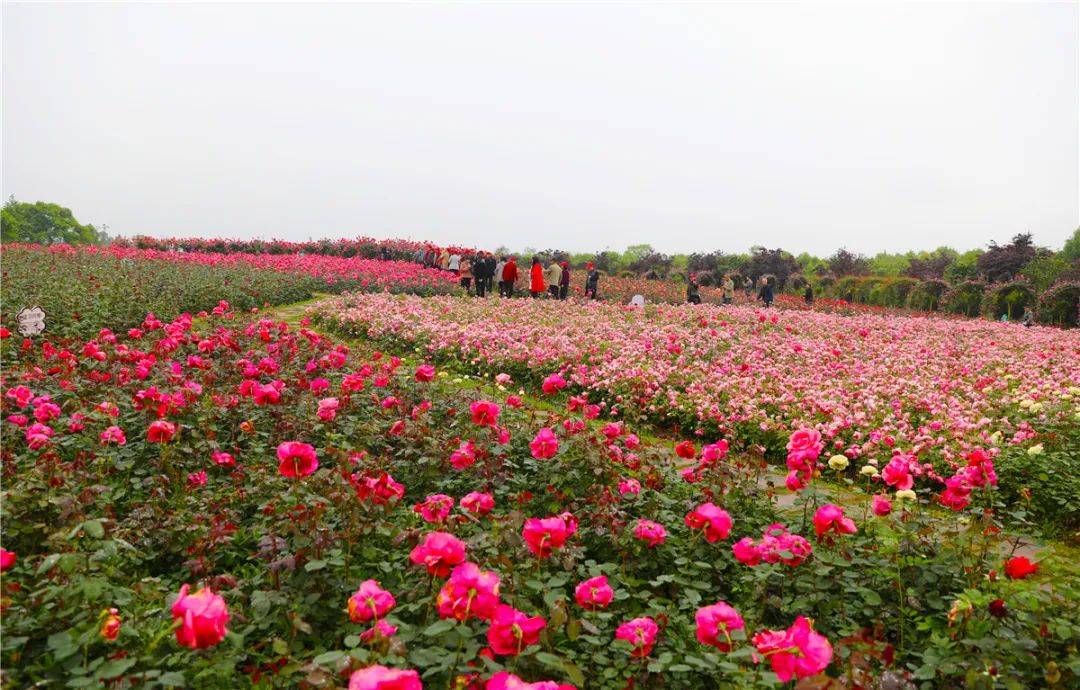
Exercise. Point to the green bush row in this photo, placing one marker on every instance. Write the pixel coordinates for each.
(1057, 306)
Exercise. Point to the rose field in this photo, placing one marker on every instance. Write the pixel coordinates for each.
(87, 288)
(403, 487)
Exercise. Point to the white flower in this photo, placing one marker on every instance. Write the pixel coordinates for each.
(905, 495)
(868, 470)
(1036, 449)
(838, 462)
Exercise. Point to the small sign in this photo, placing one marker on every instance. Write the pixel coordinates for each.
(31, 321)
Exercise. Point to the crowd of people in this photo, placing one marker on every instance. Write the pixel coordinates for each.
(479, 272)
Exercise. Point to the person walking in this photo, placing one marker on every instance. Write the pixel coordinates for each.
(444, 260)
(464, 272)
(480, 273)
(729, 289)
(509, 277)
(552, 276)
(564, 280)
(536, 278)
(499, 266)
(455, 262)
(592, 280)
(692, 294)
(808, 295)
(489, 271)
(766, 294)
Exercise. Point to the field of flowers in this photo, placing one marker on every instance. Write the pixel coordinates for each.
(873, 385)
(225, 502)
(471, 494)
(83, 289)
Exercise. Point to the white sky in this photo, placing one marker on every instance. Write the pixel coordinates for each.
(576, 126)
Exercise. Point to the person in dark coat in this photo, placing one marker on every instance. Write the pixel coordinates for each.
(692, 294)
(592, 280)
(564, 280)
(480, 274)
(766, 294)
(489, 271)
(808, 296)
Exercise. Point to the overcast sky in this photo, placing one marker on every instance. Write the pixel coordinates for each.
(693, 127)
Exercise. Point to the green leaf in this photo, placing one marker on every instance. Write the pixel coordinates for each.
(48, 563)
(94, 528)
(871, 597)
(314, 565)
(327, 658)
(549, 659)
(114, 668)
(439, 627)
(575, 674)
(172, 679)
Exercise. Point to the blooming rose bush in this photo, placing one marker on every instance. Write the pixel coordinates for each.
(870, 387)
(83, 289)
(436, 534)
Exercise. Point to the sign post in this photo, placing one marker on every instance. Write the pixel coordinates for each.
(31, 321)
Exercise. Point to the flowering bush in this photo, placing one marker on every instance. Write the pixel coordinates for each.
(83, 289)
(320, 550)
(870, 386)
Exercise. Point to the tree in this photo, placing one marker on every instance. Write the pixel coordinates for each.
(931, 265)
(1045, 269)
(1071, 250)
(43, 223)
(811, 266)
(845, 263)
(886, 264)
(1003, 263)
(966, 267)
(774, 262)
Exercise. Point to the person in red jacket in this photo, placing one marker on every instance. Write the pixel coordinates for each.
(509, 278)
(536, 278)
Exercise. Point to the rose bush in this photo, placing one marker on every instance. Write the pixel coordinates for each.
(363, 549)
(83, 289)
(870, 386)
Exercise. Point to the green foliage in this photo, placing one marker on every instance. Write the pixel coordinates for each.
(82, 293)
(1047, 485)
(926, 295)
(43, 223)
(1071, 250)
(1009, 300)
(965, 298)
(885, 264)
(1043, 271)
(1060, 305)
(965, 268)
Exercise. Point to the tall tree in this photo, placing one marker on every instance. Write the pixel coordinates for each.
(1004, 262)
(774, 262)
(845, 263)
(43, 223)
(1071, 250)
(931, 265)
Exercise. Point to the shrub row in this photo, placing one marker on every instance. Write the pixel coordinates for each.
(1057, 306)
